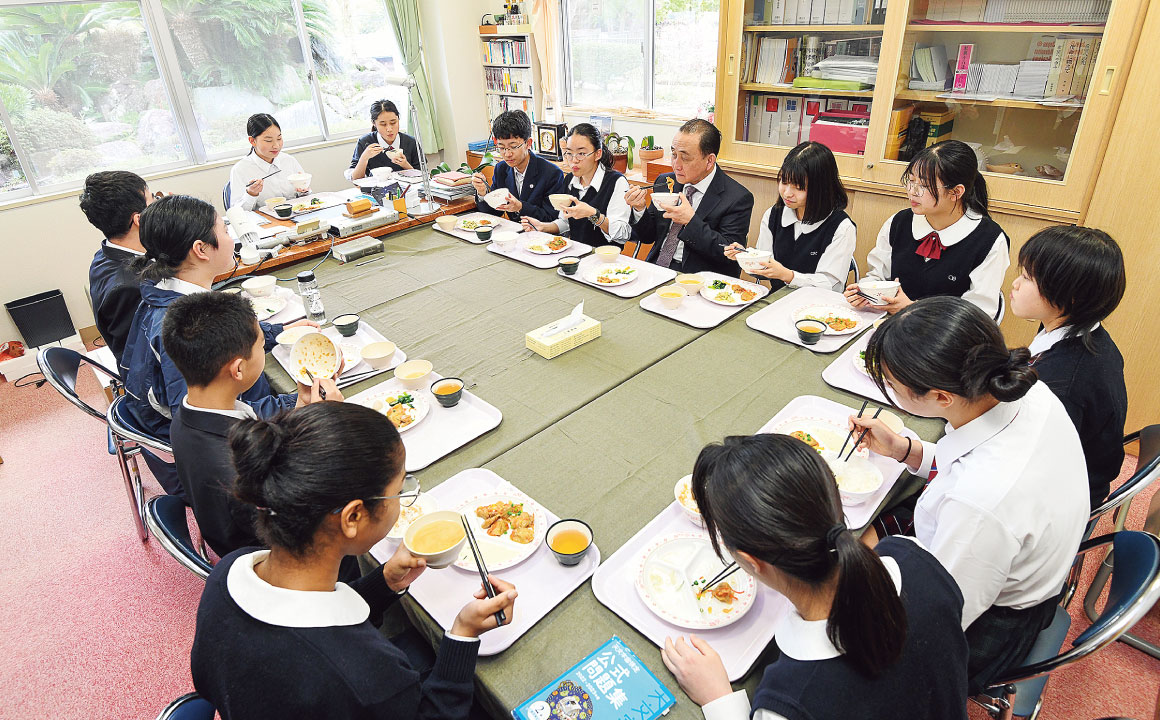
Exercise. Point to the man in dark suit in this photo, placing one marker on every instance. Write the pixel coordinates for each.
(384, 145)
(712, 211)
(112, 201)
(528, 178)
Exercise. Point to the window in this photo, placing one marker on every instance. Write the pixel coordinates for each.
(149, 85)
(651, 54)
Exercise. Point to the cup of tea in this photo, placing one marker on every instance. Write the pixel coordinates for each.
(569, 265)
(569, 540)
(448, 391)
(810, 331)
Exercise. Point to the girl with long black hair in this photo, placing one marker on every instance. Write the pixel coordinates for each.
(385, 145)
(1007, 499)
(867, 626)
(265, 171)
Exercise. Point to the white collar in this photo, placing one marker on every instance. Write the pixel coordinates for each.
(1046, 339)
(959, 229)
(383, 141)
(960, 441)
(122, 248)
(806, 640)
(292, 608)
(177, 285)
(703, 186)
(241, 410)
(597, 180)
(789, 217)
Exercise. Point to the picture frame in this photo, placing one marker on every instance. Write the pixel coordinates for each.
(550, 139)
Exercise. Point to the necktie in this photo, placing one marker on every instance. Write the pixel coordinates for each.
(669, 246)
(930, 247)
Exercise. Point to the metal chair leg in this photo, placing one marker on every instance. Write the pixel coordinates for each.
(132, 478)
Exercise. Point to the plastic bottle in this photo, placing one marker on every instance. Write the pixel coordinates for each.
(311, 297)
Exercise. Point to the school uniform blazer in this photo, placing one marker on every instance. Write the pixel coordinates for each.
(722, 218)
(541, 179)
(115, 293)
(403, 142)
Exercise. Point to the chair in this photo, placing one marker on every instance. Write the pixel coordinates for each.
(1135, 589)
(226, 195)
(190, 706)
(128, 442)
(165, 516)
(854, 269)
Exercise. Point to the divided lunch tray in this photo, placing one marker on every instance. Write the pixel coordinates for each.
(777, 319)
(649, 276)
(739, 644)
(497, 222)
(443, 430)
(696, 311)
(543, 582)
(355, 373)
(544, 262)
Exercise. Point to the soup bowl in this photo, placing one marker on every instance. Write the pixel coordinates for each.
(437, 544)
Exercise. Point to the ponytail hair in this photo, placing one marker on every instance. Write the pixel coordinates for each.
(169, 228)
(948, 343)
(300, 465)
(259, 123)
(590, 133)
(948, 164)
(773, 497)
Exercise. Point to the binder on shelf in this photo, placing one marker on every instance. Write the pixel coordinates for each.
(830, 15)
(845, 12)
(803, 11)
(963, 67)
(818, 12)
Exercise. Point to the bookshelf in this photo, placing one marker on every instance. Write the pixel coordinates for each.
(511, 76)
(1056, 139)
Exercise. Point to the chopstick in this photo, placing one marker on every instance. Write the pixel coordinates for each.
(321, 392)
(263, 178)
(718, 578)
(860, 437)
(850, 434)
(870, 299)
(500, 618)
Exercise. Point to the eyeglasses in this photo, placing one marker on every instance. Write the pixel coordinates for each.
(913, 187)
(407, 498)
(569, 155)
(508, 148)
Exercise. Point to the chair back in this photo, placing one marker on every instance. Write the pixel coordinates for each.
(165, 516)
(854, 270)
(60, 366)
(124, 427)
(1147, 470)
(190, 706)
(226, 195)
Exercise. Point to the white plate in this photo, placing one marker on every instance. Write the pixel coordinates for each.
(423, 504)
(351, 354)
(859, 362)
(420, 405)
(594, 274)
(500, 553)
(820, 311)
(665, 575)
(268, 306)
(539, 245)
(497, 197)
(470, 224)
(734, 299)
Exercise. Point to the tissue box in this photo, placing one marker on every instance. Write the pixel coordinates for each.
(560, 343)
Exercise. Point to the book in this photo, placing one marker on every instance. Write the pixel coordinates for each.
(1083, 66)
(610, 683)
(1067, 68)
(818, 12)
(1056, 64)
(1092, 67)
(778, 16)
(803, 12)
(1042, 47)
(830, 16)
(791, 55)
(791, 8)
(791, 121)
(962, 67)
(810, 110)
(845, 12)
(859, 12)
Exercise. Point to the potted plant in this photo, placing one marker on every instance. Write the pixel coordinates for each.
(649, 150)
(621, 147)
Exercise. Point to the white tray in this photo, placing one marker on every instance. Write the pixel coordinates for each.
(294, 309)
(365, 335)
(812, 406)
(698, 312)
(444, 430)
(649, 276)
(542, 582)
(777, 319)
(739, 644)
(498, 223)
(517, 252)
(843, 375)
(329, 199)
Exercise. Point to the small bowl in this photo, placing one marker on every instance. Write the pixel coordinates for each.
(683, 492)
(483, 232)
(260, 286)
(561, 200)
(446, 222)
(608, 253)
(813, 334)
(382, 173)
(271, 202)
(671, 296)
(751, 259)
(442, 558)
(347, 325)
(888, 419)
(858, 464)
(561, 525)
(691, 284)
(448, 399)
(290, 336)
(503, 240)
(413, 374)
(318, 354)
(379, 354)
(300, 181)
(659, 199)
(569, 265)
(284, 210)
(495, 198)
(884, 290)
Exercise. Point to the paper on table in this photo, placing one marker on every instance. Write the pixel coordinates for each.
(574, 318)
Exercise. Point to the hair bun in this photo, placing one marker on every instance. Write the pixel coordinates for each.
(255, 446)
(1015, 378)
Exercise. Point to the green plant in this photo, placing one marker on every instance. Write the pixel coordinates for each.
(648, 142)
(621, 145)
(70, 161)
(47, 130)
(16, 99)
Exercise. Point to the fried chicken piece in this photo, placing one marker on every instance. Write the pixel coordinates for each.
(523, 520)
(523, 535)
(724, 592)
(498, 527)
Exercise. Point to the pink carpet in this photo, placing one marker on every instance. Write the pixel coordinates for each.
(95, 624)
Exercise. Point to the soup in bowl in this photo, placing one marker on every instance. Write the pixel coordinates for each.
(436, 537)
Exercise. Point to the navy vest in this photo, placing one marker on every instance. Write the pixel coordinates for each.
(931, 674)
(583, 230)
(801, 254)
(951, 273)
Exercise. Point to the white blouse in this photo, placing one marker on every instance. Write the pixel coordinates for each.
(252, 167)
(618, 211)
(834, 264)
(986, 280)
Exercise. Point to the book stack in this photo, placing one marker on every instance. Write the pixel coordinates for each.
(942, 125)
(778, 61)
(497, 104)
(506, 52)
(818, 12)
(1042, 11)
(783, 120)
(849, 67)
(992, 78)
(508, 80)
(1073, 60)
(1032, 78)
(928, 68)
(775, 61)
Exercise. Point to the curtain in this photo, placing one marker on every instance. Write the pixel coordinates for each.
(404, 15)
(546, 29)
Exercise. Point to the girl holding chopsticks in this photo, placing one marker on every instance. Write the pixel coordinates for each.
(876, 624)
(1006, 501)
(277, 634)
(265, 171)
